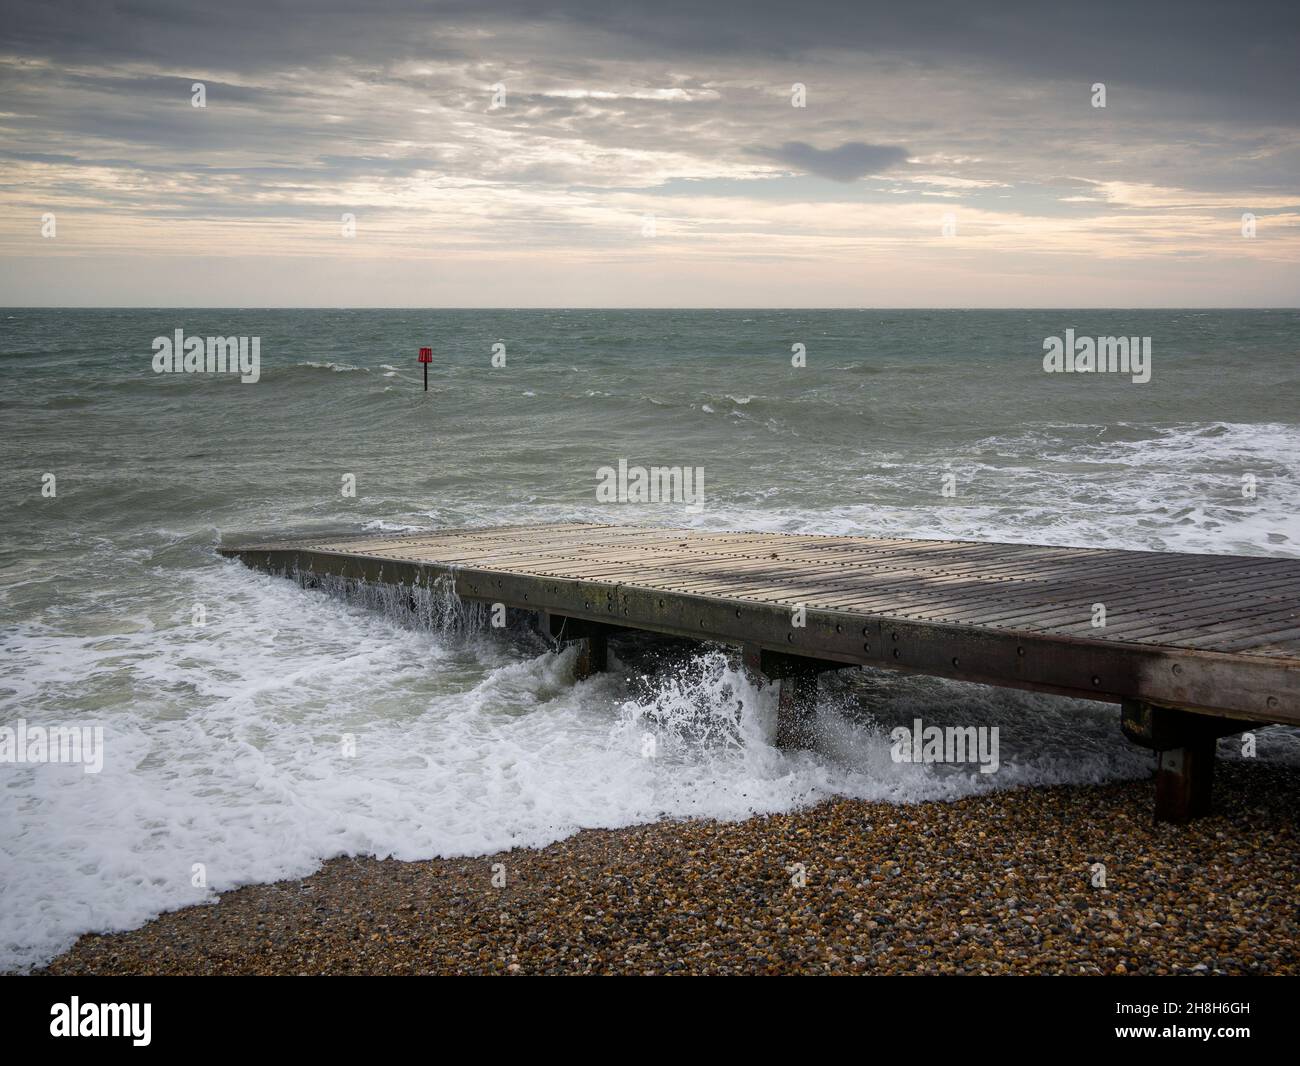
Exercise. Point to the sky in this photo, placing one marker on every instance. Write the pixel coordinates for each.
(702, 154)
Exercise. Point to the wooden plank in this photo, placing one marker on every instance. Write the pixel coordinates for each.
(1011, 614)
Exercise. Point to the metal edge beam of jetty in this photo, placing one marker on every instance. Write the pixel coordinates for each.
(1175, 701)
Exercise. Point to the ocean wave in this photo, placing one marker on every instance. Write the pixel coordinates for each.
(338, 368)
(224, 739)
(229, 751)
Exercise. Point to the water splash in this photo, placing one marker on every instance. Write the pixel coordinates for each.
(433, 606)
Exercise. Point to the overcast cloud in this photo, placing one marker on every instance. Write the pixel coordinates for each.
(946, 154)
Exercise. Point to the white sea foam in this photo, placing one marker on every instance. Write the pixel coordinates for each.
(381, 526)
(223, 742)
(1177, 488)
(338, 368)
(223, 747)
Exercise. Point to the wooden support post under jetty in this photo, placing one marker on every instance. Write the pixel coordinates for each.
(1184, 745)
(1205, 643)
(1184, 780)
(593, 657)
(592, 639)
(796, 711)
(797, 676)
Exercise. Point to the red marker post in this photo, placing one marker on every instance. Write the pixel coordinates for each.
(426, 357)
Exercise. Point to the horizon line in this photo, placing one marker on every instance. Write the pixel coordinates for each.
(627, 307)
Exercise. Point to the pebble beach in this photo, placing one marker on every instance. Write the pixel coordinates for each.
(1005, 883)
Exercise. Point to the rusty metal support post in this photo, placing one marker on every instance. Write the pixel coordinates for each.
(797, 675)
(593, 656)
(1184, 779)
(592, 639)
(1184, 744)
(796, 710)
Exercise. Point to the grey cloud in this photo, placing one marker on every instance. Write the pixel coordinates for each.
(166, 88)
(369, 164)
(328, 91)
(1232, 59)
(848, 162)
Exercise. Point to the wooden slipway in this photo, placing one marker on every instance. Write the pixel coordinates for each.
(1193, 646)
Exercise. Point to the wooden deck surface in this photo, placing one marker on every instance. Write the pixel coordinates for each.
(1210, 633)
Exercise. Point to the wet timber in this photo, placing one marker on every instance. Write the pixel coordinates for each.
(1194, 647)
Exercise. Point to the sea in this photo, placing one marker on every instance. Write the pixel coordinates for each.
(225, 695)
